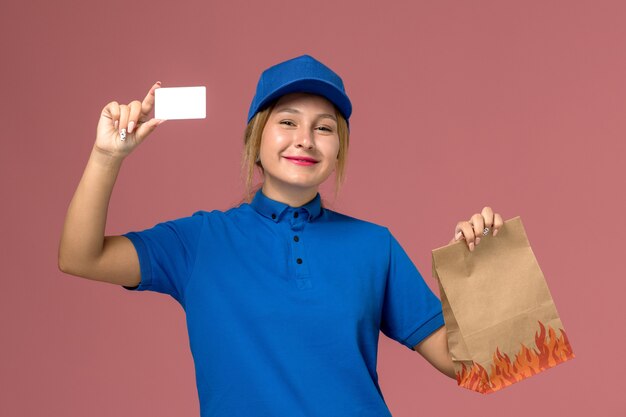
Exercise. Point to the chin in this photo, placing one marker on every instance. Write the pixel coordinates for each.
(295, 183)
(307, 185)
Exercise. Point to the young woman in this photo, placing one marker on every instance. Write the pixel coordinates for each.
(284, 298)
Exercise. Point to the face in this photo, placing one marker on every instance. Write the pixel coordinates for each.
(300, 125)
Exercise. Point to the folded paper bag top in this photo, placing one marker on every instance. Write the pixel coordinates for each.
(501, 322)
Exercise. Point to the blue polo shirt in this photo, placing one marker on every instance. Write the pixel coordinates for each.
(284, 305)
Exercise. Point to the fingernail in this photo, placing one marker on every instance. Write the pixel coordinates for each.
(159, 82)
(471, 246)
(495, 231)
(477, 241)
(130, 126)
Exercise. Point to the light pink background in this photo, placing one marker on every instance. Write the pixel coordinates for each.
(520, 106)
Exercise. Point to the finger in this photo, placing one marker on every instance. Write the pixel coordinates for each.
(133, 117)
(124, 113)
(468, 232)
(458, 231)
(465, 229)
(144, 129)
(487, 214)
(112, 111)
(497, 223)
(148, 102)
(478, 223)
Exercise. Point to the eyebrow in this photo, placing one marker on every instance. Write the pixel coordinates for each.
(296, 111)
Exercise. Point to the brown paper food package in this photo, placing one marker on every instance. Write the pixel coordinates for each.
(502, 325)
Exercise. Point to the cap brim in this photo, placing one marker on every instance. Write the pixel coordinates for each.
(313, 86)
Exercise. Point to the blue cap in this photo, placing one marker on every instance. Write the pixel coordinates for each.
(303, 74)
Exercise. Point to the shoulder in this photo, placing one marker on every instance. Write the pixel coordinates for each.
(222, 217)
(216, 213)
(355, 224)
(336, 216)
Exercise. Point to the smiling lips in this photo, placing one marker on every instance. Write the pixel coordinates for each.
(301, 160)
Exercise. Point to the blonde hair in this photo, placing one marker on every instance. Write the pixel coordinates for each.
(252, 149)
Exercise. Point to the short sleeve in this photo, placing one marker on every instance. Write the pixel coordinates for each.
(167, 254)
(411, 311)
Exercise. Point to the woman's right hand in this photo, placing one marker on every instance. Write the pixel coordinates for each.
(133, 117)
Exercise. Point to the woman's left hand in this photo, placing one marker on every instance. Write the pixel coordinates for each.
(476, 227)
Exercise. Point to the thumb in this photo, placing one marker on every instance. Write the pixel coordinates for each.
(146, 128)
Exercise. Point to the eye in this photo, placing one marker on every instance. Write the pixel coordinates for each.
(287, 122)
(325, 128)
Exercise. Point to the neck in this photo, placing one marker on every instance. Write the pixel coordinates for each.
(294, 197)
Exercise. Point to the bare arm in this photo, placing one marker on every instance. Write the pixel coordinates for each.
(83, 249)
(435, 347)
(435, 350)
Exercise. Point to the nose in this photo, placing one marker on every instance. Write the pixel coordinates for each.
(305, 139)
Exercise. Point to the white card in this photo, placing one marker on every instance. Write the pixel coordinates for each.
(180, 103)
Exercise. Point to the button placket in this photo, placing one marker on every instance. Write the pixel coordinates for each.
(299, 259)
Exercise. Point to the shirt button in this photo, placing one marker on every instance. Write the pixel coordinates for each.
(296, 238)
(299, 260)
(295, 214)
(273, 216)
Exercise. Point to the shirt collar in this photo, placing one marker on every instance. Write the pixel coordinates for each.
(274, 210)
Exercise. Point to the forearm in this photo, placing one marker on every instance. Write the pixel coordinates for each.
(447, 367)
(435, 350)
(83, 231)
